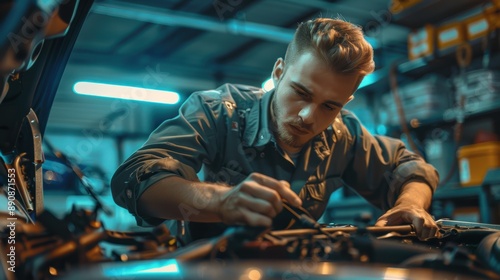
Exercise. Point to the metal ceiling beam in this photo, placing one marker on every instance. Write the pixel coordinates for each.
(177, 18)
(254, 42)
(181, 37)
(318, 4)
(121, 62)
(329, 6)
(177, 39)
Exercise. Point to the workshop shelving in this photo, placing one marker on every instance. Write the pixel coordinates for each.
(451, 200)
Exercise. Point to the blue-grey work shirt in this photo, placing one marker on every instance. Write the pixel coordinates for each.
(225, 135)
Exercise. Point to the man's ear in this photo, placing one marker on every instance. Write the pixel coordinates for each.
(278, 69)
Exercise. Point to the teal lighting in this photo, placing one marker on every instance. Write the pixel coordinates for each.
(160, 269)
(369, 79)
(381, 129)
(126, 92)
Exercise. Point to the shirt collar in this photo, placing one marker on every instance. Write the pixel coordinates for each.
(258, 132)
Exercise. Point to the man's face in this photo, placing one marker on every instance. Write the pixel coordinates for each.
(308, 97)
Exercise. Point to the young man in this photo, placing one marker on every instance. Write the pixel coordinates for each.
(294, 144)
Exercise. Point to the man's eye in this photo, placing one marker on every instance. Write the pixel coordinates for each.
(329, 107)
(300, 93)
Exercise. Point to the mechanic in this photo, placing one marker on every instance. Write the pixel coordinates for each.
(235, 154)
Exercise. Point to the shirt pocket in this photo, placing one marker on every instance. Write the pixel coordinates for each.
(320, 190)
(315, 191)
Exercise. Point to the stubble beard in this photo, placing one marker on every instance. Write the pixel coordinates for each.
(281, 133)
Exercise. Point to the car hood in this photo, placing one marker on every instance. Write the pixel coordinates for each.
(36, 39)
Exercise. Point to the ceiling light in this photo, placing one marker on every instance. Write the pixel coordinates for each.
(126, 92)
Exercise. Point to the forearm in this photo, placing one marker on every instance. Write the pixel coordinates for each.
(412, 206)
(180, 199)
(417, 194)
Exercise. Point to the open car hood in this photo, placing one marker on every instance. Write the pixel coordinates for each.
(36, 39)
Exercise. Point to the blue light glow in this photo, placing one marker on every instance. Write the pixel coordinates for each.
(381, 129)
(126, 92)
(369, 79)
(138, 268)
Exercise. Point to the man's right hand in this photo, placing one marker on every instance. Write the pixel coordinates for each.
(255, 201)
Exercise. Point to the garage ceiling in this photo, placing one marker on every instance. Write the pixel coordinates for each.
(193, 45)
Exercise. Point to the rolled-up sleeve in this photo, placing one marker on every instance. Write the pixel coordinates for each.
(381, 166)
(178, 147)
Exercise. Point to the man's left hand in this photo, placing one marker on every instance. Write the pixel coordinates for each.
(424, 224)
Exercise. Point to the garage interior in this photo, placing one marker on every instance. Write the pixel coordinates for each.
(436, 86)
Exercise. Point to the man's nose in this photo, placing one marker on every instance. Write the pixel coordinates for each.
(307, 113)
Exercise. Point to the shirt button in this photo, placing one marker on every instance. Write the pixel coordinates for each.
(262, 155)
(129, 193)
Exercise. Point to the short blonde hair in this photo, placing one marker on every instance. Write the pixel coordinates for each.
(340, 43)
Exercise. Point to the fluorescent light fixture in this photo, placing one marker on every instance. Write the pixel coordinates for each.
(268, 84)
(126, 92)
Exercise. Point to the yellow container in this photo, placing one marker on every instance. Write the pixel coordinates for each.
(421, 42)
(478, 26)
(475, 160)
(493, 15)
(450, 35)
